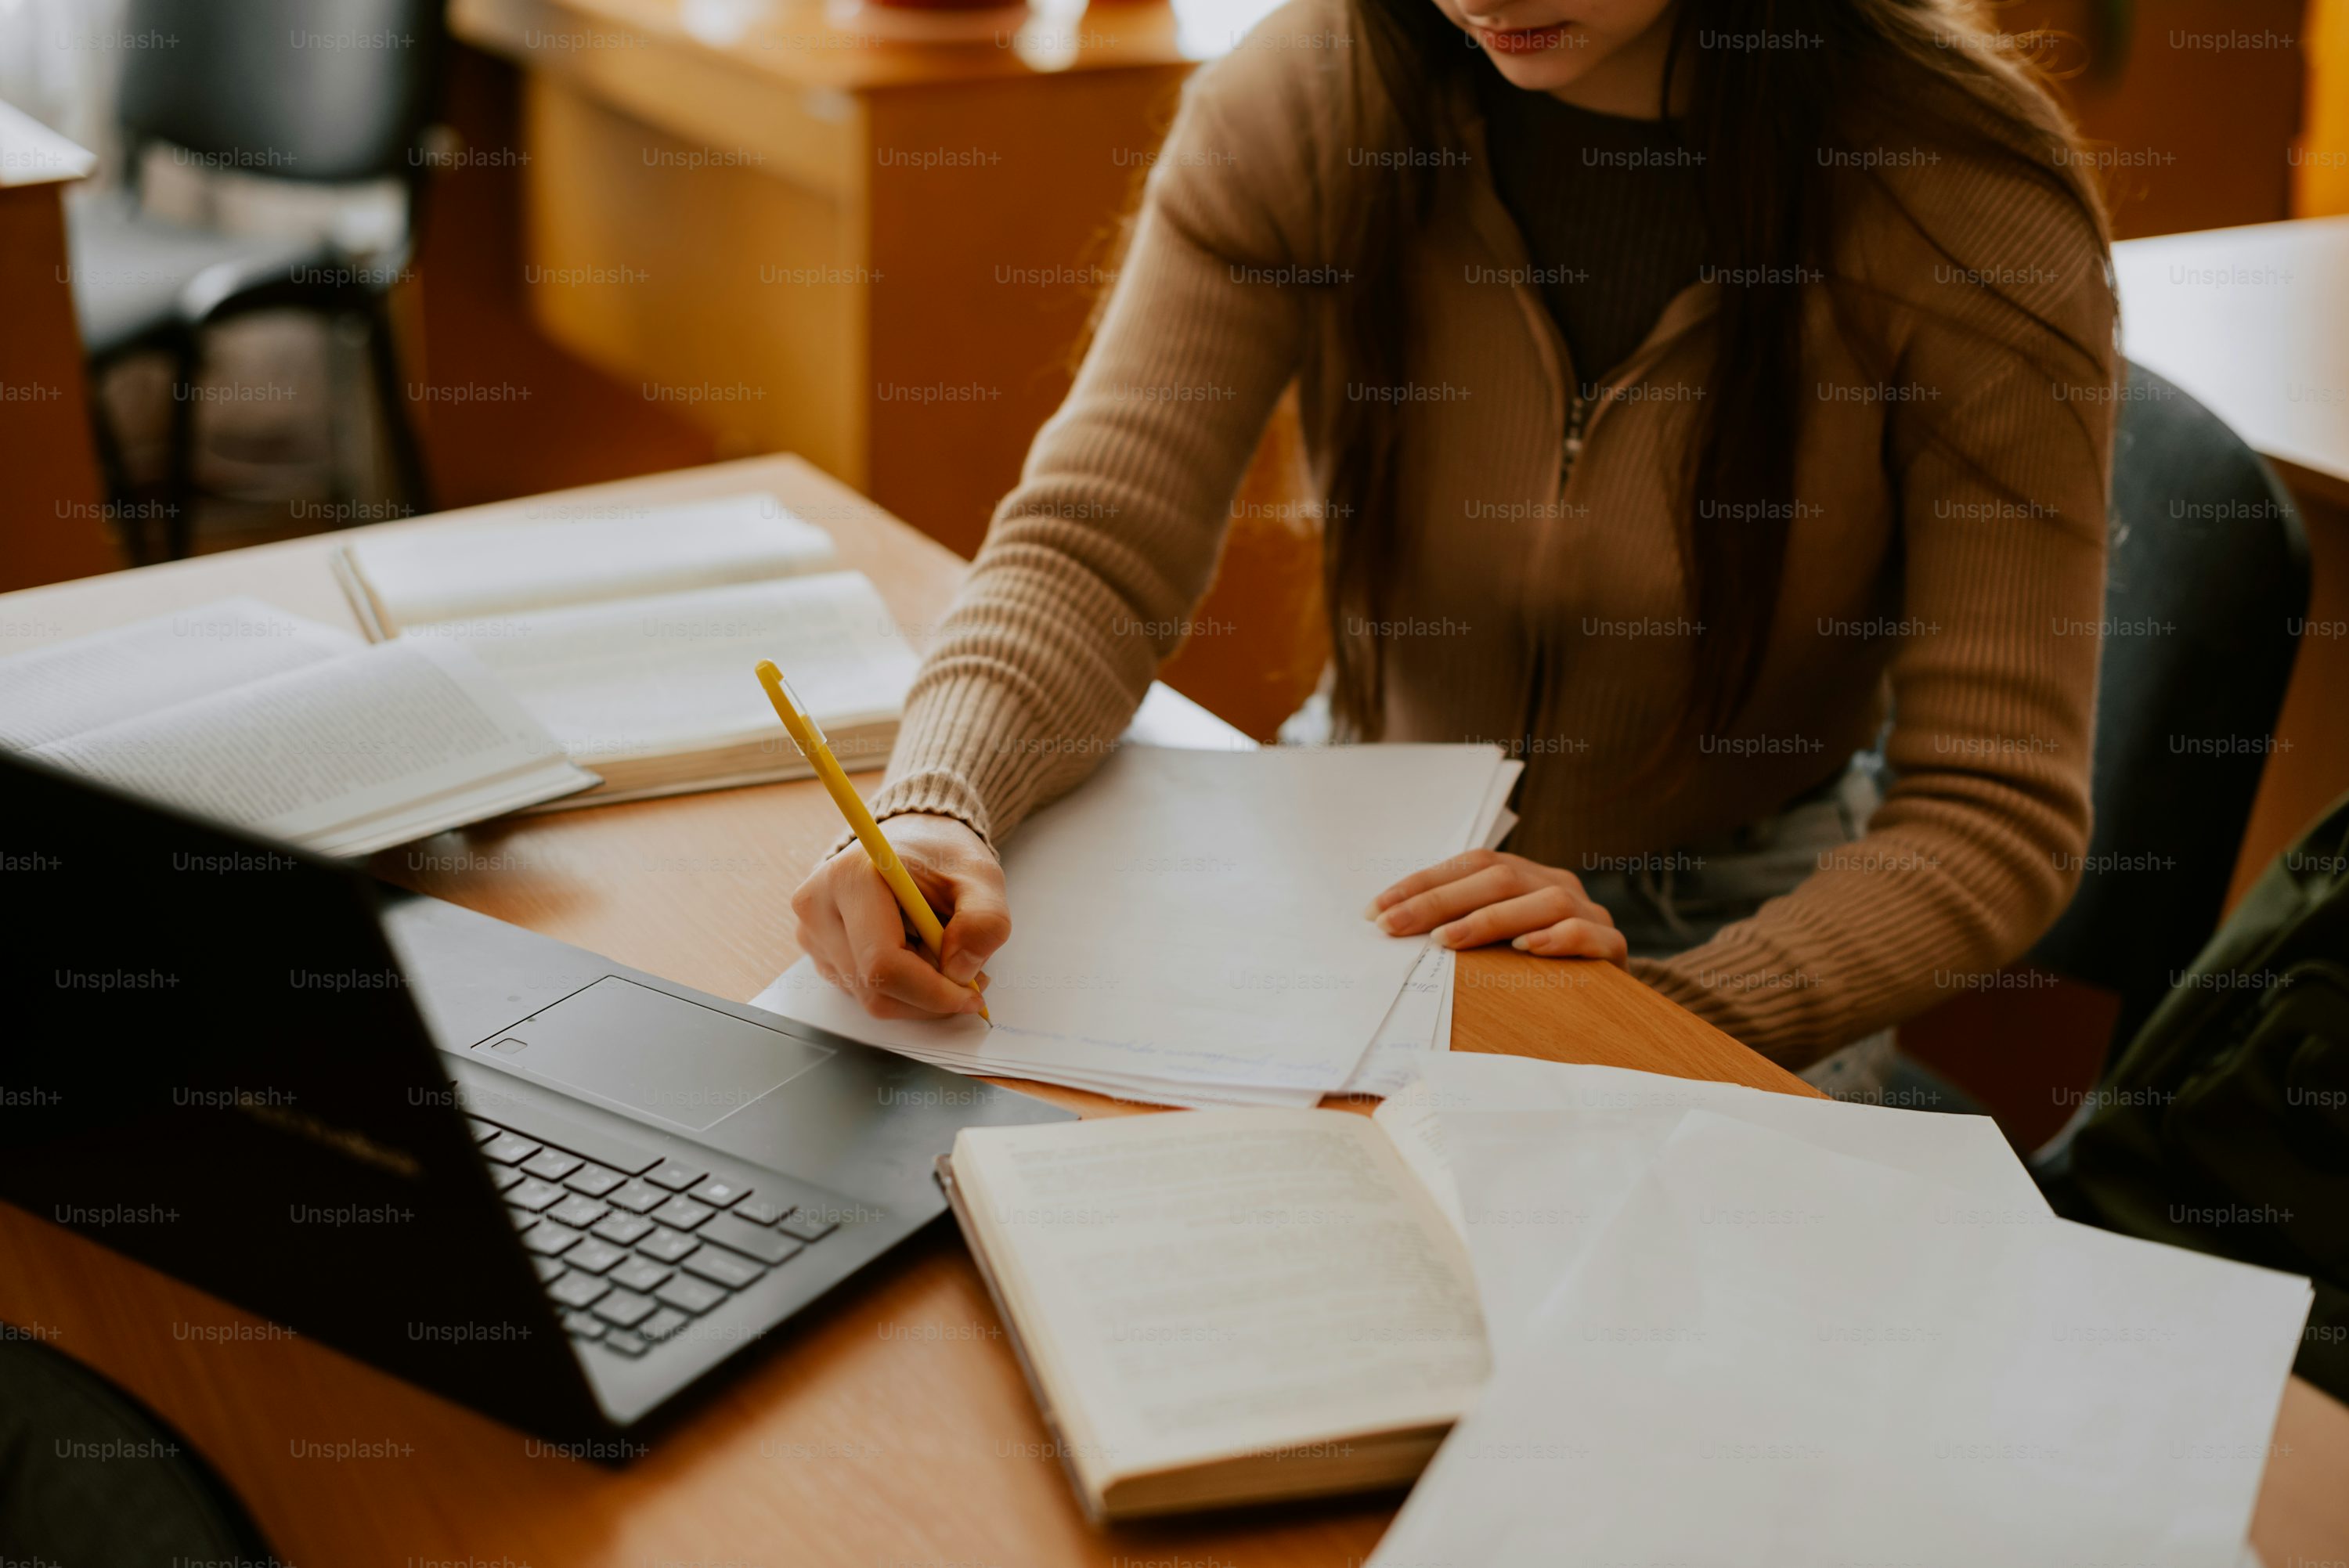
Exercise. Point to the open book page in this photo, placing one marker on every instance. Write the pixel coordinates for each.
(469, 570)
(1783, 1356)
(85, 683)
(1225, 1282)
(394, 739)
(658, 675)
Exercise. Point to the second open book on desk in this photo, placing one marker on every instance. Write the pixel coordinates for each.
(300, 731)
(629, 633)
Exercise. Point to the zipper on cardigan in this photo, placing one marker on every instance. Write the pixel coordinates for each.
(1570, 450)
(1578, 414)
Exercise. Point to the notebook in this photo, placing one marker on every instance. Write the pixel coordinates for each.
(1222, 1307)
(241, 712)
(630, 635)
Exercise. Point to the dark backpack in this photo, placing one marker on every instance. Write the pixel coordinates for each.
(2223, 1125)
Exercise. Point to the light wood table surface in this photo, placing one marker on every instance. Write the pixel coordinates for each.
(892, 1429)
(810, 235)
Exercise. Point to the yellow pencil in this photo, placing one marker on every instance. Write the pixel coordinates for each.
(818, 751)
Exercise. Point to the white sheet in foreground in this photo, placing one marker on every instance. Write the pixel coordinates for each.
(1778, 1356)
(1541, 1154)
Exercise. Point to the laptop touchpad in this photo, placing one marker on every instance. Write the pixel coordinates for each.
(686, 1064)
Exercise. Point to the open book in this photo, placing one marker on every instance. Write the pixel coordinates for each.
(631, 637)
(1226, 1306)
(243, 712)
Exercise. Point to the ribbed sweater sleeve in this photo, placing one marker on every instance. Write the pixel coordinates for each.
(1094, 563)
(1977, 846)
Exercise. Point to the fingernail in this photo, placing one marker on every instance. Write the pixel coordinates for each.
(1523, 943)
(1370, 910)
(974, 1003)
(961, 967)
(1391, 922)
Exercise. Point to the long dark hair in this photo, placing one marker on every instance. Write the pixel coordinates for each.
(1926, 69)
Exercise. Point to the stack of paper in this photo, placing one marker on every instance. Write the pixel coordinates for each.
(1188, 928)
(1736, 1327)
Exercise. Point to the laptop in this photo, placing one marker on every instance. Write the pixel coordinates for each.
(556, 1188)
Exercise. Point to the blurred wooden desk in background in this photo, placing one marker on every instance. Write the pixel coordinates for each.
(772, 231)
(875, 254)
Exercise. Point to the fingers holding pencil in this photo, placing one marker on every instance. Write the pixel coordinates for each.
(881, 976)
(849, 924)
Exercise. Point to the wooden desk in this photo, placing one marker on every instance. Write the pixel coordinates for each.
(891, 1429)
(53, 518)
(812, 239)
(783, 232)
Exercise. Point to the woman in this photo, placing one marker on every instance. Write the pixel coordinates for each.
(1692, 397)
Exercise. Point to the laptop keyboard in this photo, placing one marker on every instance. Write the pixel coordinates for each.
(631, 1246)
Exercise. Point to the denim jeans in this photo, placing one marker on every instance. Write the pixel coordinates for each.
(1666, 905)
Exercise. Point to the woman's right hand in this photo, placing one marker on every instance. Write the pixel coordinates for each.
(851, 926)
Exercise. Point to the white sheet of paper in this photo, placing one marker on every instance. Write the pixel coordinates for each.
(1494, 818)
(1410, 1030)
(1421, 1019)
(1542, 1153)
(1140, 1089)
(1780, 1356)
(1167, 717)
(1196, 917)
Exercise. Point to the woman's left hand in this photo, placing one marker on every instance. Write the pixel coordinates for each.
(1486, 896)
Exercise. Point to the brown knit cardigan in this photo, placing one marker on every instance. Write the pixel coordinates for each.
(1540, 601)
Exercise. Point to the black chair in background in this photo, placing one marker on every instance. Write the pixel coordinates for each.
(2206, 570)
(89, 1474)
(313, 90)
(2208, 552)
